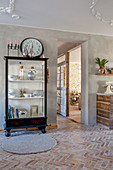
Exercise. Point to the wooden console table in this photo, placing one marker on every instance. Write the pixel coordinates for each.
(105, 109)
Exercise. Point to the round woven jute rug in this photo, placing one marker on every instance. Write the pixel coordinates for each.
(29, 144)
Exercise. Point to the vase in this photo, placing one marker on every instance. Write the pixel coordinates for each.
(102, 70)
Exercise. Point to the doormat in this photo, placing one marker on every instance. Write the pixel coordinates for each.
(29, 144)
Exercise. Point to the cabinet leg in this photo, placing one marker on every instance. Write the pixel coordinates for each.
(7, 132)
(43, 130)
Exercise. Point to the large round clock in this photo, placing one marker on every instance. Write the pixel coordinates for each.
(31, 47)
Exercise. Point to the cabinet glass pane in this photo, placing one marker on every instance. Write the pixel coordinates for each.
(26, 89)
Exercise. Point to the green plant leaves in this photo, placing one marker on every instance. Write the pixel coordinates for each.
(102, 62)
(98, 61)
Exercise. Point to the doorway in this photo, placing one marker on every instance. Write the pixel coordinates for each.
(69, 83)
(63, 49)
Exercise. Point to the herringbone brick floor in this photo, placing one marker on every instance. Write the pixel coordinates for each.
(79, 147)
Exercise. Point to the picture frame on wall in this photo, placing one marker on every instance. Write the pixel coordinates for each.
(34, 110)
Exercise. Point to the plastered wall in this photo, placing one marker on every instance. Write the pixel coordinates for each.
(97, 46)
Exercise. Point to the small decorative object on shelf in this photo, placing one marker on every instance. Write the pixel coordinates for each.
(34, 110)
(111, 70)
(22, 113)
(109, 87)
(108, 70)
(43, 56)
(21, 93)
(21, 72)
(31, 73)
(31, 47)
(12, 46)
(101, 64)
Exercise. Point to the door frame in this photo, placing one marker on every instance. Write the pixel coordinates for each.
(84, 81)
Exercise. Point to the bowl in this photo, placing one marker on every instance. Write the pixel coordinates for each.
(38, 92)
(26, 94)
(12, 77)
(11, 90)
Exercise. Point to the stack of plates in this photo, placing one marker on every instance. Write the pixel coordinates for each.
(13, 93)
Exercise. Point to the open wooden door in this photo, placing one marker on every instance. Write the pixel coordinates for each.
(63, 85)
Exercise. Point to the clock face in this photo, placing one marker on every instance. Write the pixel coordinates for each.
(31, 47)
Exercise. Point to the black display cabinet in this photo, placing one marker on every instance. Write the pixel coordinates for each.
(25, 93)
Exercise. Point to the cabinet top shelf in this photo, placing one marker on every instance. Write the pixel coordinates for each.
(24, 58)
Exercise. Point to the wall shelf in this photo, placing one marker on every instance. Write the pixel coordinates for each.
(104, 74)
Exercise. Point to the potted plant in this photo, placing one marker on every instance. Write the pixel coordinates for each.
(101, 64)
(111, 70)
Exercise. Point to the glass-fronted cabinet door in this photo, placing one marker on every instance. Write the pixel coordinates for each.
(26, 88)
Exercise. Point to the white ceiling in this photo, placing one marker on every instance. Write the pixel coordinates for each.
(68, 15)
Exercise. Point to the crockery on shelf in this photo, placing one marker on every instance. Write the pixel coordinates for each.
(27, 94)
(31, 95)
(12, 77)
(38, 92)
(32, 73)
(23, 113)
(13, 93)
(11, 90)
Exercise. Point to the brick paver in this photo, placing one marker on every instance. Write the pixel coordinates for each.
(79, 147)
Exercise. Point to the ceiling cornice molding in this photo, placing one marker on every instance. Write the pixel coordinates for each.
(98, 15)
(10, 9)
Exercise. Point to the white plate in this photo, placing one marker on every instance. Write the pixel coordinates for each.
(12, 77)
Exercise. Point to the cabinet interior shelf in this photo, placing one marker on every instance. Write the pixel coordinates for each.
(25, 98)
(27, 81)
